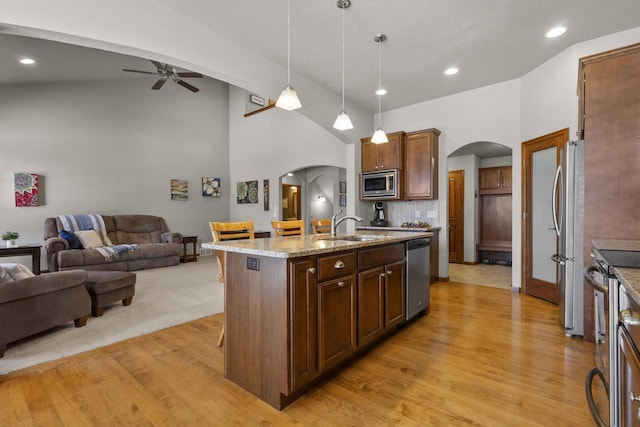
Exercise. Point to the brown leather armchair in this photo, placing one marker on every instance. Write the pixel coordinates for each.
(38, 303)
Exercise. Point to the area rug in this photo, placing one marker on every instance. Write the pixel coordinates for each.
(164, 297)
(495, 276)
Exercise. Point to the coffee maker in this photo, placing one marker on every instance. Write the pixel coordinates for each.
(378, 215)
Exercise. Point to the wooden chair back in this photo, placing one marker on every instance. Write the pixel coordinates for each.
(321, 226)
(288, 228)
(228, 231)
(231, 230)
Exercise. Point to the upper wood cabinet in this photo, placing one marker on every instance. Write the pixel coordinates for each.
(385, 156)
(495, 180)
(421, 165)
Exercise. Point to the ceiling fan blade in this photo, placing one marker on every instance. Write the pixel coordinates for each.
(158, 65)
(137, 71)
(187, 85)
(158, 84)
(189, 74)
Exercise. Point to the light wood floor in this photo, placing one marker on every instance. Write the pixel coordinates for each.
(483, 356)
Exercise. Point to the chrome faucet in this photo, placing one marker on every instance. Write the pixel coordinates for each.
(335, 222)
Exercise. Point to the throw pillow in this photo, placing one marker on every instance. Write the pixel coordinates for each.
(74, 242)
(5, 276)
(89, 239)
(16, 271)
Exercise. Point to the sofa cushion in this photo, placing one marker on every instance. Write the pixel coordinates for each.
(12, 272)
(74, 242)
(89, 239)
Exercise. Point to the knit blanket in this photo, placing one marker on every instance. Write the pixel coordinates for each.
(95, 222)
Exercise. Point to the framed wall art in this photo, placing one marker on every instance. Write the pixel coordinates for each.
(210, 187)
(265, 194)
(343, 200)
(179, 189)
(247, 192)
(343, 187)
(26, 189)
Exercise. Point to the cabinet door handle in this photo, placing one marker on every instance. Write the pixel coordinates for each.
(382, 275)
(633, 398)
(312, 270)
(341, 284)
(388, 272)
(339, 264)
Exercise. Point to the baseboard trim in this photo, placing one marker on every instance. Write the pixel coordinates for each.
(443, 279)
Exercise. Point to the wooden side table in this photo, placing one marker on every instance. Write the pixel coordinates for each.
(186, 256)
(33, 250)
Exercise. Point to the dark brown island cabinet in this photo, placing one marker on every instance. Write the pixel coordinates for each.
(289, 322)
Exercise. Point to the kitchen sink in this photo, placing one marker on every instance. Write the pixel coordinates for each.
(356, 238)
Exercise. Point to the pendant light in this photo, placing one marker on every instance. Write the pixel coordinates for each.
(288, 99)
(379, 137)
(343, 121)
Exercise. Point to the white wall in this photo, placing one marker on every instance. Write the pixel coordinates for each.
(270, 144)
(112, 147)
(491, 113)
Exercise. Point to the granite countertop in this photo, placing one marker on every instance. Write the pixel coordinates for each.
(630, 279)
(309, 244)
(397, 228)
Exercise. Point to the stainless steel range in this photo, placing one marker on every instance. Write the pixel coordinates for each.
(609, 255)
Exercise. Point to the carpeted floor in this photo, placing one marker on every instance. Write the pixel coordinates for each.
(496, 276)
(164, 297)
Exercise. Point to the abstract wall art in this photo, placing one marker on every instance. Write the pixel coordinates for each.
(247, 192)
(265, 194)
(179, 189)
(26, 189)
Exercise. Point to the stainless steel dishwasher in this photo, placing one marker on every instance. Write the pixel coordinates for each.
(417, 281)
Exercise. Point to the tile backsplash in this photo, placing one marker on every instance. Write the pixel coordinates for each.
(403, 211)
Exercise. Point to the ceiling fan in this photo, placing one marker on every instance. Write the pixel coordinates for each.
(167, 72)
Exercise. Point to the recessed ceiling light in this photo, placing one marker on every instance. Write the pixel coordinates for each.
(555, 32)
(289, 174)
(27, 61)
(381, 91)
(451, 71)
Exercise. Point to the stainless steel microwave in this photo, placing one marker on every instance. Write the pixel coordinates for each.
(379, 185)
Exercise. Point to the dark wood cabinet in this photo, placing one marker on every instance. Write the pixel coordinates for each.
(304, 318)
(370, 305)
(385, 156)
(495, 179)
(336, 321)
(394, 288)
(421, 165)
(629, 381)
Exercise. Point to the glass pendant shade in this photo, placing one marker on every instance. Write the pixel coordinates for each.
(288, 99)
(343, 121)
(379, 137)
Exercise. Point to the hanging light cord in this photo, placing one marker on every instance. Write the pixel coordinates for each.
(379, 80)
(343, 8)
(288, 43)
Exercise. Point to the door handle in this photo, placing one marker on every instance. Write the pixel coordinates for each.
(554, 197)
(338, 264)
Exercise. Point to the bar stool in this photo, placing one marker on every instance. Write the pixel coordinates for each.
(288, 228)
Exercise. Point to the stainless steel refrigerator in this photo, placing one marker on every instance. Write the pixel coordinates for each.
(568, 219)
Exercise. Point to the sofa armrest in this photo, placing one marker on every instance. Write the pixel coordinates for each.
(53, 245)
(42, 284)
(171, 237)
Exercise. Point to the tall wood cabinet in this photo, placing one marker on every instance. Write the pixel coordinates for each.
(495, 209)
(421, 165)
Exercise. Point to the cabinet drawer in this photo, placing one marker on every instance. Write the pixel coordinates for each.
(380, 255)
(337, 265)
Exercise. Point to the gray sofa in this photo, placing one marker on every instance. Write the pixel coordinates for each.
(158, 246)
(38, 303)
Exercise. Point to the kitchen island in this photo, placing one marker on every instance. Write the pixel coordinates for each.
(299, 307)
